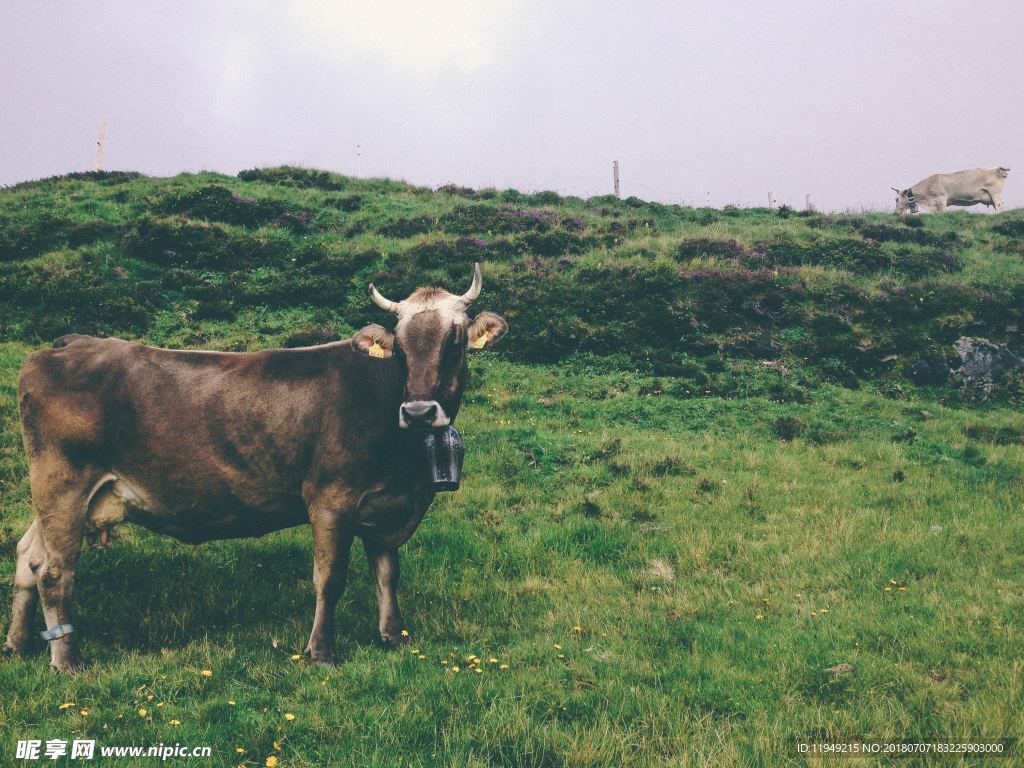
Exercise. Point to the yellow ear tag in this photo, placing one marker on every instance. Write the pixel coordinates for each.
(375, 350)
(481, 341)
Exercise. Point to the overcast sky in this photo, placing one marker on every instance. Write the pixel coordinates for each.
(698, 101)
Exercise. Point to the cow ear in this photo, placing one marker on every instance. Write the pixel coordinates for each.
(375, 340)
(485, 331)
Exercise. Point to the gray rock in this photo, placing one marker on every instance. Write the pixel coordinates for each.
(981, 358)
(982, 364)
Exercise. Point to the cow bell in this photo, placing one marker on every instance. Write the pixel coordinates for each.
(444, 452)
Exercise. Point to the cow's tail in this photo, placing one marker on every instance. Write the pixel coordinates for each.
(1002, 171)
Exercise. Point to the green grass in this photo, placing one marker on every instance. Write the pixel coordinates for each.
(243, 262)
(694, 550)
(640, 488)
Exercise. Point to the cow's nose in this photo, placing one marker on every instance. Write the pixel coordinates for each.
(418, 413)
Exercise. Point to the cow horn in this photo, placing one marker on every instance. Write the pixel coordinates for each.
(474, 289)
(894, 190)
(380, 301)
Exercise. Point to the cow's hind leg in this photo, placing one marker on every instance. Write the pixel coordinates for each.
(61, 517)
(385, 571)
(26, 593)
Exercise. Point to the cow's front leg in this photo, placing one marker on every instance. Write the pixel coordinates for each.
(331, 547)
(384, 570)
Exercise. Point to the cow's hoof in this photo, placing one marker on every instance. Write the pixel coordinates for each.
(69, 667)
(321, 658)
(393, 640)
(15, 650)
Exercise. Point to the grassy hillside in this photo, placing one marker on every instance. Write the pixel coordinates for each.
(283, 256)
(697, 483)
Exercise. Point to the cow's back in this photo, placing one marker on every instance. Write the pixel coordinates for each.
(257, 416)
(209, 444)
(962, 182)
(106, 399)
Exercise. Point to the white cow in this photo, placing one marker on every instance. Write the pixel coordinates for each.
(979, 185)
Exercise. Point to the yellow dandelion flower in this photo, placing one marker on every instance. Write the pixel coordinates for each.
(798, 594)
(577, 629)
(296, 656)
(231, 702)
(175, 722)
(492, 660)
(207, 673)
(478, 671)
(888, 589)
(470, 657)
(414, 651)
(903, 589)
(142, 713)
(66, 705)
(445, 661)
(271, 761)
(503, 666)
(140, 689)
(405, 633)
(240, 750)
(455, 669)
(893, 581)
(150, 697)
(277, 746)
(159, 704)
(422, 657)
(759, 616)
(559, 647)
(824, 610)
(289, 716)
(84, 712)
(561, 655)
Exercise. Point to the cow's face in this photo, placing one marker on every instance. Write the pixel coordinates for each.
(902, 200)
(432, 338)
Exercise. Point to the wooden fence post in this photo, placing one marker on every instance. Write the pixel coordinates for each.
(99, 145)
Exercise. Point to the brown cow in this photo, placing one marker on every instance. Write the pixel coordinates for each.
(213, 445)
